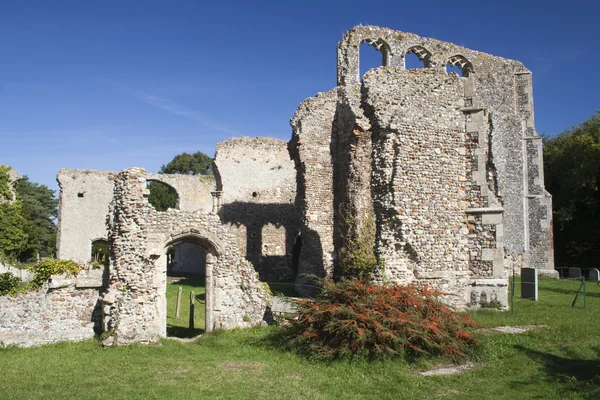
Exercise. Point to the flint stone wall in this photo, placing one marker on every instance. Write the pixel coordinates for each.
(85, 196)
(258, 184)
(67, 309)
(134, 306)
(458, 156)
(504, 88)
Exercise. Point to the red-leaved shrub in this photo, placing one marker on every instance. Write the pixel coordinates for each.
(356, 318)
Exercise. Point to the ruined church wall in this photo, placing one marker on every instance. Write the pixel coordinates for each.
(193, 191)
(64, 310)
(503, 88)
(83, 208)
(419, 174)
(85, 196)
(134, 306)
(310, 148)
(258, 183)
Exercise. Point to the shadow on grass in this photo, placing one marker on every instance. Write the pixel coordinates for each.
(578, 375)
(286, 289)
(592, 290)
(190, 281)
(184, 333)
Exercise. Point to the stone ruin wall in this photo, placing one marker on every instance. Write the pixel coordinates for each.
(496, 121)
(85, 196)
(65, 309)
(450, 168)
(134, 305)
(256, 181)
(83, 207)
(310, 148)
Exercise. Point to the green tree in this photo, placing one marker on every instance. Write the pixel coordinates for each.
(13, 238)
(162, 197)
(572, 175)
(5, 192)
(40, 210)
(189, 164)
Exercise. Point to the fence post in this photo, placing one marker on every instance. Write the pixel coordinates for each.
(178, 308)
(582, 286)
(512, 294)
(192, 296)
(584, 292)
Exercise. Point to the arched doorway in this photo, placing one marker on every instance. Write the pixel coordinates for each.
(188, 261)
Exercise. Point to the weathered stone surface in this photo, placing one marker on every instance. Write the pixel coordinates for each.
(529, 284)
(448, 167)
(134, 304)
(594, 275)
(61, 311)
(258, 184)
(85, 196)
(445, 162)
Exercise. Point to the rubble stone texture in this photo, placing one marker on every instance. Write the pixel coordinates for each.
(134, 305)
(85, 196)
(65, 309)
(451, 166)
(448, 168)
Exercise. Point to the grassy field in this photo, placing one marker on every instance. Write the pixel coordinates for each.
(561, 361)
(180, 327)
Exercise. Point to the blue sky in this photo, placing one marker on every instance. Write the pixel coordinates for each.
(115, 84)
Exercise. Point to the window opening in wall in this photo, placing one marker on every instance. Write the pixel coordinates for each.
(162, 196)
(460, 65)
(80, 194)
(372, 54)
(412, 61)
(186, 269)
(417, 57)
(99, 256)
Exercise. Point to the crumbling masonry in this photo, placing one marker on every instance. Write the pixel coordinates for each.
(447, 168)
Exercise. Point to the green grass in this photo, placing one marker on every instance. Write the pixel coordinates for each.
(559, 362)
(180, 327)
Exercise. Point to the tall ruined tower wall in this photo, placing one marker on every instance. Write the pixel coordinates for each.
(468, 198)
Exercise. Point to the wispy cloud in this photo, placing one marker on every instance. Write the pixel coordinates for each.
(171, 106)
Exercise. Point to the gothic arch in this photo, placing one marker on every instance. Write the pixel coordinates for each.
(422, 53)
(461, 62)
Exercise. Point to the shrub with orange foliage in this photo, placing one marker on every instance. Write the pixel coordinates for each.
(356, 318)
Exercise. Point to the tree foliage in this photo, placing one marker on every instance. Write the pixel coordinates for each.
(13, 237)
(27, 227)
(189, 164)
(572, 176)
(162, 197)
(5, 192)
(40, 210)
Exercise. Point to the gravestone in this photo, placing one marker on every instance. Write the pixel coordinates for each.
(594, 275)
(529, 284)
(574, 272)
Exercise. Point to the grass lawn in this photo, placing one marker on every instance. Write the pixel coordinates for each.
(561, 361)
(180, 327)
